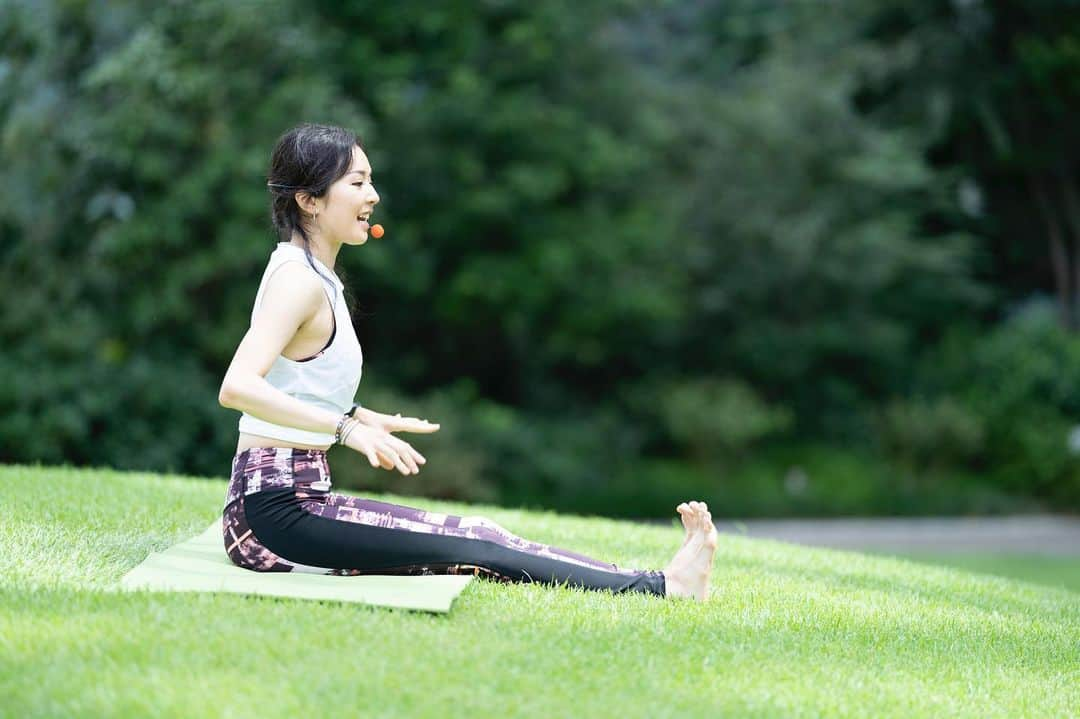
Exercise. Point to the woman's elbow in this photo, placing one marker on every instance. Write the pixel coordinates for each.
(239, 388)
(228, 395)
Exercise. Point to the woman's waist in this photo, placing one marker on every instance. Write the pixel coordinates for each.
(255, 441)
(258, 469)
(258, 432)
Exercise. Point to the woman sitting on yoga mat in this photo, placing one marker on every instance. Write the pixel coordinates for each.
(294, 377)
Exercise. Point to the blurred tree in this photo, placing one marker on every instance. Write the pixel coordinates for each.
(798, 219)
(616, 232)
(135, 139)
(520, 162)
(998, 84)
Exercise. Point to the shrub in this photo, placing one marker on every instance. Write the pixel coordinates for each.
(1022, 382)
(710, 418)
(928, 434)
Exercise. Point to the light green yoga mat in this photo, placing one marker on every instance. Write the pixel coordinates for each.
(201, 565)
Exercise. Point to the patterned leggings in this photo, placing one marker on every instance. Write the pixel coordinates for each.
(280, 516)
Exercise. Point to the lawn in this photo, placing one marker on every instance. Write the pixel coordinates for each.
(790, 631)
(1052, 571)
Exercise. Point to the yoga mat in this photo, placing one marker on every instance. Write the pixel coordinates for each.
(201, 565)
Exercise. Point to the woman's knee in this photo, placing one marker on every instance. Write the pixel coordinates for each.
(490, 531)
(478, 521)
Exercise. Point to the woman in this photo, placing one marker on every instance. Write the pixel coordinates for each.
(293, 378)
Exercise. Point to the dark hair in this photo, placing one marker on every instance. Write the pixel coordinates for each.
(308, 158)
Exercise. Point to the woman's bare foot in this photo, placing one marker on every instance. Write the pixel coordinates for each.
(687, 575)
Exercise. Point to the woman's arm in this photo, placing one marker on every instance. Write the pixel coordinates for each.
(292, 297)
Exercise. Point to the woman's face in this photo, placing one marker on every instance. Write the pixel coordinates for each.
(349, 203)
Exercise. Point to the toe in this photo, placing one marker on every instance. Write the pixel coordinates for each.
(689, 523)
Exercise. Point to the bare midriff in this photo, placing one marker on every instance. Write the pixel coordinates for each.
(247, 441)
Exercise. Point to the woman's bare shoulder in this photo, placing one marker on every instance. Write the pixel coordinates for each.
(293, 290)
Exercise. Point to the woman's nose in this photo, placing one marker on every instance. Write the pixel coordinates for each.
(375, 199)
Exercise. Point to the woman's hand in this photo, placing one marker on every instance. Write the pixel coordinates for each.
(382, 448)
(395, 423)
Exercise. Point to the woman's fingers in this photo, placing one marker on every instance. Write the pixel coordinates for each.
(415, 457)
(410, 456)
(411, 424)
(385, 461)
(403, 465)
(395, 458)
(407, 457)
(372, 457)
(372, 451)
(409, 452)
(393, 453)
(421, 426)
(388, 452)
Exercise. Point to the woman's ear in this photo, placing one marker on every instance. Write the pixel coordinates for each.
(306, 202)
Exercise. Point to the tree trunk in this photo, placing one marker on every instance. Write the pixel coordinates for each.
(1072, 216)
(1059, 259)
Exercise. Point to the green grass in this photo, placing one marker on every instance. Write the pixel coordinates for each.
(790, 631)
(1051, 571)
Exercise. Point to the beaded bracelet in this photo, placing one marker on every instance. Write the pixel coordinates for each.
(338, 438)
(340, 425)
(349, 430)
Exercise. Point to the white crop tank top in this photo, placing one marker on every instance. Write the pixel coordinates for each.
(330, 379)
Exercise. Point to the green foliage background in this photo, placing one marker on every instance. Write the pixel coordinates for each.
(785, 257)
